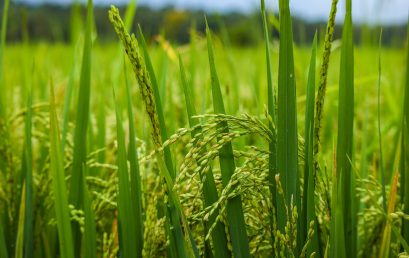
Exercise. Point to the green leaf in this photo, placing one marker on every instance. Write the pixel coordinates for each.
(136, 188)
(28, 171)
(308, 209)
(176, 237)
(20, 225)
(126, 222)
(345, 134)
(337, 240)
(58, 185)
(210, 194)
(405, 149)
(4, 19)
(81, 126)
(90, 236)
(381, 165)
(272, 147)
(235, 215)
(287, 137)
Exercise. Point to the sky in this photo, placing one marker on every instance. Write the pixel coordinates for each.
(371, 11)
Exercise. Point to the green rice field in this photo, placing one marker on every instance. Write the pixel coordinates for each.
(144, 148)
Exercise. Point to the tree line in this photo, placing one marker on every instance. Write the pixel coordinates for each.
(56, 23)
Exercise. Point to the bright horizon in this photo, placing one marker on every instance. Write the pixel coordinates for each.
(370, 11)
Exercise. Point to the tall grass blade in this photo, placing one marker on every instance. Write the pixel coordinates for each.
(404, 183)
(20, 225)
(235, 215)
(337, 232)
(3, 246)
(4, 19)
(136, 185)
(90, 236)
(345, 134)
(272, 158)
(126, 222)
(381, 165)
(58, 185)
(287, 137)
(210, 194)
(67, 104)
(28, 170)
(308, 205)
(81, 128)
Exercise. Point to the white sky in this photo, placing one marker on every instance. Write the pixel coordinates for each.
(373, 11)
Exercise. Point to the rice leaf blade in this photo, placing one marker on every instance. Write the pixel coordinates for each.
(405, 148)
(136, 185)
(235, 215)
(28, 170)
(4, 20)
(126, 222)
(90, 237)
(20, 226)
(308, 210)
(287, 137)
(345, 133)
(59, 186)
(210, 194)
(272, 158)
(81, 127)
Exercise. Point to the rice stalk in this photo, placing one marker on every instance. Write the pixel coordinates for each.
(235, 217)
(322, 87)
(150, 93)
(210, 193)
(174, 210)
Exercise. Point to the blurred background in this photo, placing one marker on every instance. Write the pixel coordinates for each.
(56, 20)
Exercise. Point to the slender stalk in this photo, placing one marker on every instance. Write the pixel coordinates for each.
(235, 215)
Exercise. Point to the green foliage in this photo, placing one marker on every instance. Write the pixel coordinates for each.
(81, 128)
(277, 184)
(235, 216)
(59, 187)
(346, 201)
(405, 148)
(287, 135)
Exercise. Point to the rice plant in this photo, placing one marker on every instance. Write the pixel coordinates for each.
(118, 180)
